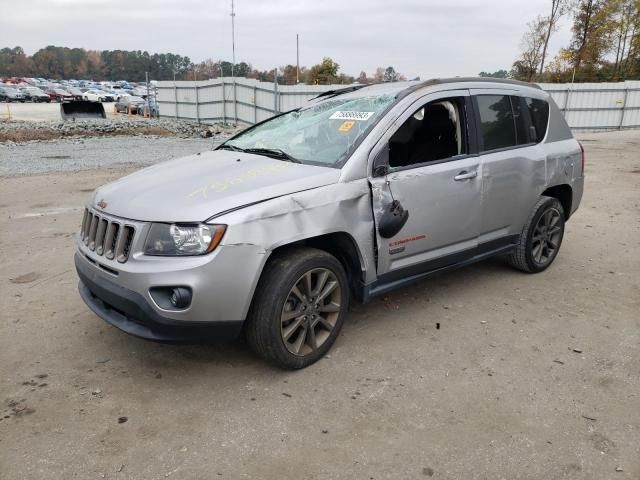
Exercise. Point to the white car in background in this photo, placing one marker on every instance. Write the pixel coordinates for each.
(97, 96)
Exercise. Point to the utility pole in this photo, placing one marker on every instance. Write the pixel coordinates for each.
(146, 77)
(233, 38)
(233, 60)
(297, 59)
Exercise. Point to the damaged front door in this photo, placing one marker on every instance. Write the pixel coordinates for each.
(426, 189)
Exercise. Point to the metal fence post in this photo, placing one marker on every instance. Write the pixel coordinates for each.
(255, 104)
(624, 106)
(224, 103)
(275, 90)
(175, 98)
(235, 103)
(566, 100)
(195, 87)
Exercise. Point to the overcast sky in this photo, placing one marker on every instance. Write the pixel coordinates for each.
(429, 38)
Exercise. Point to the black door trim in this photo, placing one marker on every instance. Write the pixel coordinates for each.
(405, 276)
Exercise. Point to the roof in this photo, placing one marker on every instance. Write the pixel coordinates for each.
(401, 89)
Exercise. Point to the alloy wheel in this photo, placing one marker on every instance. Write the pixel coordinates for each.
(310, 311)
(546, 237)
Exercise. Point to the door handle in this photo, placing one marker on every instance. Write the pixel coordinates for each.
(464, 175)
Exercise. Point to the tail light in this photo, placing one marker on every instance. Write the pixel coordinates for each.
(581, 160)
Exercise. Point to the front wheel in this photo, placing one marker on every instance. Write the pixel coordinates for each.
(541, 237)
(298, 308)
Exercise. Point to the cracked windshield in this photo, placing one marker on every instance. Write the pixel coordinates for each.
(319, 134)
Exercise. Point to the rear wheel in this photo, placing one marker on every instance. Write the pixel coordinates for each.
(541, 237)
(298, 308)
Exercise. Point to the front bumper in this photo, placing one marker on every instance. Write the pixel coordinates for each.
(130, 312)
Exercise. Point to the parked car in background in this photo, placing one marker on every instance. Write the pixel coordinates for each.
(129, 102)
(59, 95)
(149, 108)
(97, 96)
(76, 92)
(10, 94)
(35, 95)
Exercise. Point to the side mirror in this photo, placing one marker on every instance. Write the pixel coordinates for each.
(381, 162)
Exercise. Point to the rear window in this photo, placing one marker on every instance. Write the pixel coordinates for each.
(539, 111)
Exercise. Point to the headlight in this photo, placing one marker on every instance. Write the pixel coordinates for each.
(170, 240)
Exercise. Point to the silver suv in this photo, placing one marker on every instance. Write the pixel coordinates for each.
(362, 191)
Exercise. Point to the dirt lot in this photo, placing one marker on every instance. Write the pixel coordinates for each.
(529, 376)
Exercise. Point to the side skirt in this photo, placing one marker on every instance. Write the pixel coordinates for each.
(409, 275)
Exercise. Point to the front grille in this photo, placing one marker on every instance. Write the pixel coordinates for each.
(106, 237)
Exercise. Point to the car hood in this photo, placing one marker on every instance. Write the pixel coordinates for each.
(197, 187)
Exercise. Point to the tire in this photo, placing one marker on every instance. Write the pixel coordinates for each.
(541, 237)
(100, 99)
(274, 331)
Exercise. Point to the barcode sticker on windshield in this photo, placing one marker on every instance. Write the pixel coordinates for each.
(363, 116)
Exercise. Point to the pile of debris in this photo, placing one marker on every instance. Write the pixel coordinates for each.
(24, 131)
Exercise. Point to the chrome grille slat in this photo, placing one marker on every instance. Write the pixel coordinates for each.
(123, 244)
(102, 228)
(92, 232)
(107, 237)
(87, 227)
(84, 223)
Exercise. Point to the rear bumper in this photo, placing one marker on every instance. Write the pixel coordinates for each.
(130, 312)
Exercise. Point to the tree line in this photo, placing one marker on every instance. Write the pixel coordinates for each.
(65, 63)
(605, 43)
(78, 63)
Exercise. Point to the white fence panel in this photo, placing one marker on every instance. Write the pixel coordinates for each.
(586, 106)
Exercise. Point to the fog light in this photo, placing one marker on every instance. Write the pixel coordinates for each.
(180, 297)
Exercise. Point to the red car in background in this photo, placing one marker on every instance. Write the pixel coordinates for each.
(59, 95)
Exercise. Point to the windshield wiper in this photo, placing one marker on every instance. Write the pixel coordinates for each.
(233, 148)
(273, 152)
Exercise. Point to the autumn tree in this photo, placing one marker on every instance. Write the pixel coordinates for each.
(14, 62)
(324, 73)
(592, 36)
(532, 44)
(626, 19)
(558, 9)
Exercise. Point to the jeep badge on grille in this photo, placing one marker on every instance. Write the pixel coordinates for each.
(102, 204)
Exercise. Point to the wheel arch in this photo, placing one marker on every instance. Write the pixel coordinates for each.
(342, 246)
(564, 194)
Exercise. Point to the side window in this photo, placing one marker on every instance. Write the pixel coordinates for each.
(539, 110)
(436, 131)
(497, 126)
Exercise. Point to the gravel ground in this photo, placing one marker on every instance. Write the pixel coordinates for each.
(89, 153)
(41, 121)
(528, 377)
